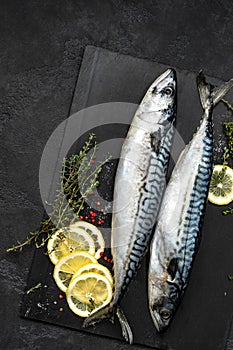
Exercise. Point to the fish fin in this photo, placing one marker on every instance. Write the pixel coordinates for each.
(219, 92)
(181, 155)
(108, 313)
(209, 96)
(204, 91)
(125, 327)
(105, 313)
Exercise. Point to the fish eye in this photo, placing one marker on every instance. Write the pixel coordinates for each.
(165, 314)
(168, 91)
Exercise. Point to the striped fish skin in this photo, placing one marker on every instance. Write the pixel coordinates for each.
(177, 234)
(140, 179)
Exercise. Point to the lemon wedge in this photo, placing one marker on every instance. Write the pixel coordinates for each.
(95, 268)
(221, 185)
(67, 266)
(68, 240)
(95, 233)
(88, 292)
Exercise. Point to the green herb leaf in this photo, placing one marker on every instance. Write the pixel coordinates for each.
(32, 290)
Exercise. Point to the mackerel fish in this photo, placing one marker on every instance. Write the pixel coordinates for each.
(139, 185)
(177, 233)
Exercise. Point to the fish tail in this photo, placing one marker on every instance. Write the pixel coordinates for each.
(211, 96)
(125, 327)
(108, 313)
(105, 313)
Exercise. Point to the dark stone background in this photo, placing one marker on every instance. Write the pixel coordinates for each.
(41, 47)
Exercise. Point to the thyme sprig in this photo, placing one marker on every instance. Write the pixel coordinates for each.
(228, 130)
(227, 211)
(227, 103)
(78, 179)
(32, 289)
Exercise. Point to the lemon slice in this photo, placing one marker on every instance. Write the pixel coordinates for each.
(68, 240)
(88, 293)
(95, 233)
(221, 185)
(96, 268)
(68, 266)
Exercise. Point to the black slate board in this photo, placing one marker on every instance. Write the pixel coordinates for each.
(204, 316)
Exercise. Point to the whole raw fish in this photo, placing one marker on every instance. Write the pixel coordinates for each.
(139, 186)
(177, 234)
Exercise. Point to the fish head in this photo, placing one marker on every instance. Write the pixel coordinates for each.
(160, 99)
(162, 303)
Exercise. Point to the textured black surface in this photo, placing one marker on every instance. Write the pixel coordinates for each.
(100, 80)
(41, 46)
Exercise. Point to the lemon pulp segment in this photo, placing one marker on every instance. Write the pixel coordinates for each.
(221, 185)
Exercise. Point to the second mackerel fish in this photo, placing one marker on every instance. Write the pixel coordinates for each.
(139, 185)
(177, 234)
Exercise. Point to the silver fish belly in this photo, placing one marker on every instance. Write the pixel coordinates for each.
(177, 234)
(140, 179)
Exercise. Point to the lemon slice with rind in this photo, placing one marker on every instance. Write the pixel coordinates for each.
(68, 265)
(95, 268)
(221, 185)
(68, 240)
(88, 293)
(95, 233)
